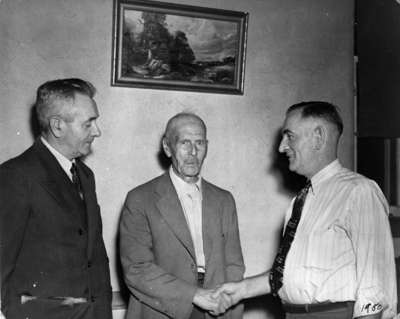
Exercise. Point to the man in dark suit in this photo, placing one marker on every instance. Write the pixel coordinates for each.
(53, 260)
(179, 234)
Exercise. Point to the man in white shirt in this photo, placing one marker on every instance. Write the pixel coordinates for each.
(339, 262)
(179, 234)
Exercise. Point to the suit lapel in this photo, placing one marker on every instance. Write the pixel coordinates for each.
(55, 181)
(171, 210)
(209, 218)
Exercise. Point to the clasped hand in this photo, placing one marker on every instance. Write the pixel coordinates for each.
(217, 301)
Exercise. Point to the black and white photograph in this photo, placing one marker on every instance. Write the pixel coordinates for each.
(186, 159)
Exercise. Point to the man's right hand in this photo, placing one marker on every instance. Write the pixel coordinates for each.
(248, 287)
(235, 290)
(214, 303)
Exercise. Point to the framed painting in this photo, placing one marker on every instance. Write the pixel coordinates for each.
(162, 45)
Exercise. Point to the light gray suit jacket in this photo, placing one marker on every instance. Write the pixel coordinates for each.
(157, 251)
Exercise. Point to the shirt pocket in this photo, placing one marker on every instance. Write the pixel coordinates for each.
(328, 249)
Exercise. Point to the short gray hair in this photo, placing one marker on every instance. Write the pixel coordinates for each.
(52, 95)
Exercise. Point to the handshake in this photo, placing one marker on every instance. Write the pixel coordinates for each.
(216, 301)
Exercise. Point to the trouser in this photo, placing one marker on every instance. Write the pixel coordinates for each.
(343, 310)
(197, 312)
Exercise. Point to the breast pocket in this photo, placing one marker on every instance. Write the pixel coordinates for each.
(328, 248)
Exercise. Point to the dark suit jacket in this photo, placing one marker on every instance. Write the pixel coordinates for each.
(157, 251)
(51, 241)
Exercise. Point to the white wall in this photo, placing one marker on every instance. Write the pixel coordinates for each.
(297, 50)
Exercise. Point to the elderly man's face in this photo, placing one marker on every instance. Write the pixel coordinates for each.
(297, 143)
(187, 148)
(78, 134)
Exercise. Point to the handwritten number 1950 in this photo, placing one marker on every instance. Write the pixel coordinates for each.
(369, 307)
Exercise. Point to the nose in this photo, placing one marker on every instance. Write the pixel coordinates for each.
(193, 149)
(96, 130)
(283, 145)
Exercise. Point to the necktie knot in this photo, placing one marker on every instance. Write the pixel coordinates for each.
(304, 191)
(192, 190)
(73, 170)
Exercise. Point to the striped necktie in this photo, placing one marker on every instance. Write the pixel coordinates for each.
(76, 181)
(276, 274)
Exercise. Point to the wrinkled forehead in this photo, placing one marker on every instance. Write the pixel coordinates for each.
(186, 125)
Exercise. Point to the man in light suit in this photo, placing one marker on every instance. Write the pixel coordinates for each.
(179, 234)
(53, 260)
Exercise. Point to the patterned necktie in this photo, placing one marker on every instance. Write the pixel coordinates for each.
(76, 181)
(276, 274)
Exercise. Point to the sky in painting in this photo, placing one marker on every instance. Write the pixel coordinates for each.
(209, 39)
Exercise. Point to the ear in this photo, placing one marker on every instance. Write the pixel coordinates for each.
(319, 137)
(56, 126)
(166, 148)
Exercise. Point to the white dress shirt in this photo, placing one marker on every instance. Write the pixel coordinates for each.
(190, 198)
(343, 247)
(64, 162)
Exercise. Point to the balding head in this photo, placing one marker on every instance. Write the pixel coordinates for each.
(177, 120)
(185, 142)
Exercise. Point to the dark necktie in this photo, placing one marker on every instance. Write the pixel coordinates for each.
(276, 274)
(76, 181)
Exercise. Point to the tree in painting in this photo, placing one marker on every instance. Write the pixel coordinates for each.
(151, 50)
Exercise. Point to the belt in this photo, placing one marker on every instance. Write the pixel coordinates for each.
(200, 279)
(318, 307)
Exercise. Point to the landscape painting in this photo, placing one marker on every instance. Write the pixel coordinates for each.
(170, 46)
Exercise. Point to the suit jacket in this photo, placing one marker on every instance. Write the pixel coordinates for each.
(51, 241)
(157, 251)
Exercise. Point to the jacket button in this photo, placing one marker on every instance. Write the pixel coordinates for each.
(93, 299)
(80, 231)
(89, 264)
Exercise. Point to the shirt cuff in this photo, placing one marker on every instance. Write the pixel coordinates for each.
(369, 306)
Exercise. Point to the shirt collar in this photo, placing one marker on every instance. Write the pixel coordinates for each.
(180, 185)
(61, 159)
(325, 173)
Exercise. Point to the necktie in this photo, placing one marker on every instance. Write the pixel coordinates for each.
(194, 216)
(276, 274)
(192, 190)
(76, 181)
